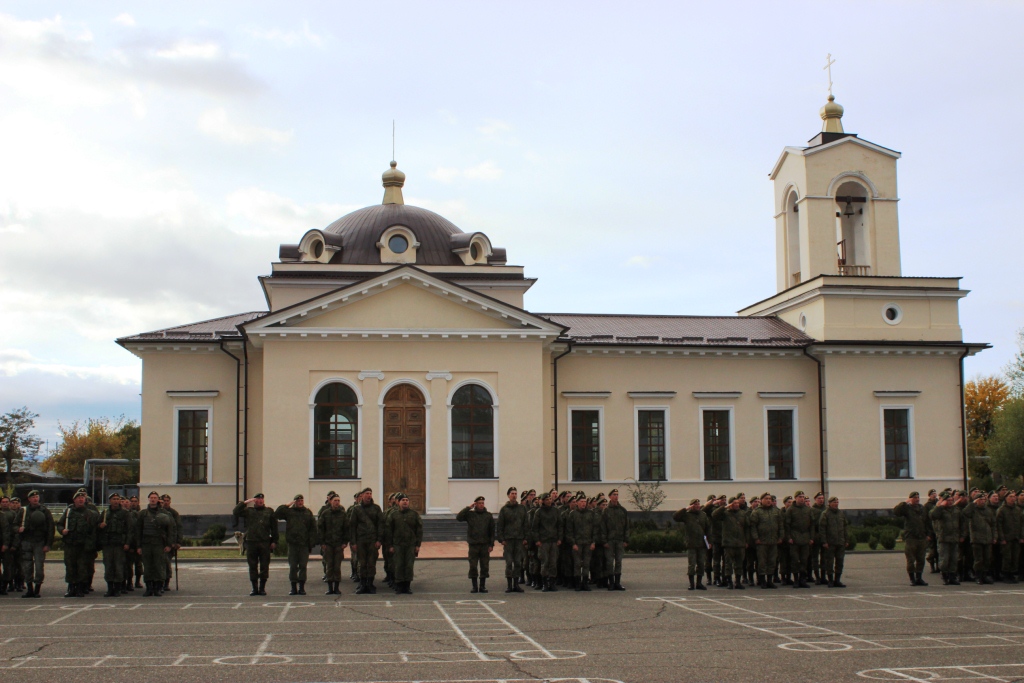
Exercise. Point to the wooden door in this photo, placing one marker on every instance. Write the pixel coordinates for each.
(405, 445)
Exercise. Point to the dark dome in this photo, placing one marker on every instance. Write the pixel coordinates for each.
(361, 230)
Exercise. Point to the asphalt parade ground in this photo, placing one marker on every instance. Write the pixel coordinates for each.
(877, 629)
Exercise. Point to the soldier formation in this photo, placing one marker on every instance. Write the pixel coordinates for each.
(556, 539)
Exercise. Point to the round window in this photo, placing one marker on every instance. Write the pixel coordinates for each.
(318, 249)
(398, 244)
(803, 322)
(474, 251)
(892, 314)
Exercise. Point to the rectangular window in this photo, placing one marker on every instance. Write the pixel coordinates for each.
(650, 425)
(897, 443)
(586, 445)
(716, 445)
(780, 444)
(193, 446)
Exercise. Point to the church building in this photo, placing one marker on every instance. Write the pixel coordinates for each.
(396, 352)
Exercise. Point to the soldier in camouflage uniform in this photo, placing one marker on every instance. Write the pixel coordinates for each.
(932, 557)
(323, 556)
(113, 531)
(353, 559)
(915, 535)
(965, 560)
(819, 507)
(751, 562)
(480, 539)
(981, 522)
(1009, 522)
(179, 535)
(615, 521)
(366, 531)
(733, 523)
(696, 527)
(532, 558)
(403, 536)
(799, 525)
(565, 560)
(301, 535)
(785, 570)
(768, 529)
(136, 558)
(6, 553)
(332, 524)
(832, 528)
(392, 506)
(510, 531)
(947, 526)
(261, 536)
(580, 532)
(78, 528)
(546, 529)
(154, 538)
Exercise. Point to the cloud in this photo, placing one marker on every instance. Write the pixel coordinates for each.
(493, 128)
(190, 50)
(18, 361)
(254, 211)
(124, 19)
(303, 36)
(486, 171)
(215, 123)
(642, 261)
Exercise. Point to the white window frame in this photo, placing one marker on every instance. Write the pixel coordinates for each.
(359, 425)
(732, 440)
(796, 442)
(494, 406)
(912, 441)
(636, 440)
(600, 444)
(209, 445)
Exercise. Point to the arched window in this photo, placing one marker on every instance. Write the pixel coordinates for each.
(472, 433)
(793, 239)
(336, 433)
(852, 248)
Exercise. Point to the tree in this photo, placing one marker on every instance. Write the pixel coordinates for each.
(16, 439)
(983, 398)
(1014, 370)
(96, 438)
(1006, 446)
(646, 496)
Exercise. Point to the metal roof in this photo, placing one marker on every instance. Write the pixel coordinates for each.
(673, 330)
(361, 231)
(206, 330)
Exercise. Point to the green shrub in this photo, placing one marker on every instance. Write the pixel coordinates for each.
(887, 537)
(215, 534)
(282, 547)
(873, 541)
(657, 542)
(851, 543)
(860, 534)
(644, 525)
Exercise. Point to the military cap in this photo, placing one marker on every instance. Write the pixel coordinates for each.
(722, 497)
(613, 492)
(581, 496)
(944, 495)
(259, 495)
(798, 493)
(15, 499)
(773, 497)
(733, 500)
(400, 496)
(112, 496)
(81, 492)
(931, 491)
(711, 497)
(833, 499)
(478, 499)
(367, 489)
(786, 499)
(299, 496)
(740, 494)
(533, 491)
(695, 501)
(913, 494)
(766, 495)
(511, 489)
(393, 496)
(544, 496)
(1001, 488)
(819, 494)
(332, 495)
(581, 493)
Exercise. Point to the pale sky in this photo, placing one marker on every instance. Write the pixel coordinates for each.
(154, 155)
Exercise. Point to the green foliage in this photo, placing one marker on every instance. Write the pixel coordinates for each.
(873, 541)
(644, 525)
(214, 535)
(874, 522)
(1006, 445)
(657, 542)
(1014, 370)
(851, 543)
(887, 537)
(16, 439)
(282, 547)
(95, 438)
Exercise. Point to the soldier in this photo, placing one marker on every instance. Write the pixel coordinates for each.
(832, 527)
(323, 556)
(154, 540)
(932, 558)
(366, 531)
(751, 562)
(179, 534)
(696, 527)
(581, 525)
(1009, 533)
(733, 523)
(532, 551)
(480, 539)
(300, 533)
(816, 510)
(6, 527)
(35, 530)
(981, 522)
(261, 536)
(799, 524)
(785, 570)
(78, 528)
(114, 530)
(403, 536)
(565, 559)
(136, 558)
(946, 524)
(995, 500)
(353, 560)
(767, 531)
(511, 533)
(915, 535)
(965, 558)
(615, 522)
(389, 578)
(546, 529)
(332, 524)
(712, 570)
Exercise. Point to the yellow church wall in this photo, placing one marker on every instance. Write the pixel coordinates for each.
(283, 295)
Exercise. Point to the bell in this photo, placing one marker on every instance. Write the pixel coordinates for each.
(848, 211)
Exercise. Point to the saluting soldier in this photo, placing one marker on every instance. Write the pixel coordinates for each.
(480, 539)
(1009, 522)
(333, 526)
(767, 531)
(389, 578)
(981, 522)
(832, 527)
(136, 558)
(546, 528)
(580, 532)
(799, 522)
(510, 531)
(785, 570)
(300, 533)
(323, 557)
(915, 535)
(154, 540)
(353, 560)
(932, 557)
(751, 562)
(403, 536)
(946, 524)
(696, 527)
(816, 509)
(565, 559)
(965, 558)
(178, 532)
(733, 523)
(114, 530)
(35, 530)
(366, 529)
(616, 538)
(261, 536)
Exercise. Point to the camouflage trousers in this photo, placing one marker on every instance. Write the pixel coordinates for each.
(696, 560)
(914, 549)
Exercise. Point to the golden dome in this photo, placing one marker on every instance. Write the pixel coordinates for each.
(832, 115)
(393, 181)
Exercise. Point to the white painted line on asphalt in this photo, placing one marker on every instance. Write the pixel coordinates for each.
(261, 650)
(1004, 673)
(465, 639)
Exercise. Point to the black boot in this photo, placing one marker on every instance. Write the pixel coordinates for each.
(953, 580)
(483, 585)
(771, 582)
(611, 582)
(71, 592)
(128, 586)
(920, 581)
(618, 582)
(837, 583)
(727, 582)
(913, 578)
(509, 589)
(577, 584)
(295, 588)
(111, 591)
(586, 583)
(407, 588)
(738, 583)
(700, 584)
(476, 586)
(691, 583)
(548, 587)
(149, 590)
(516, 588)
(302, 587)
(263, 586)
(363, 587)
(255, 589)
(373, 588)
